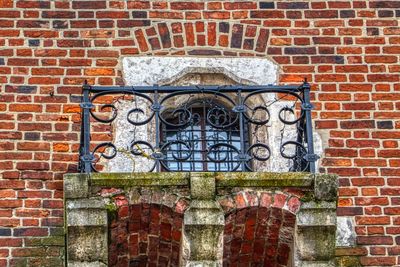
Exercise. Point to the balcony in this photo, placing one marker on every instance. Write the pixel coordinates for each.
(198, 128)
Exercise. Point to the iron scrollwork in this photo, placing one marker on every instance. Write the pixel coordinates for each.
(200, 128)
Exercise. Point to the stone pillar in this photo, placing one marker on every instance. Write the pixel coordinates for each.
(204, 223)
(86, 225)
(316, 225)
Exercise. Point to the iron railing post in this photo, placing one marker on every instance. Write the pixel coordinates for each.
(86, 157)
(240, 108)
(156, 107)
(307, 107)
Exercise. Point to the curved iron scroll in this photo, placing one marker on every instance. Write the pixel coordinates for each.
(205, 128)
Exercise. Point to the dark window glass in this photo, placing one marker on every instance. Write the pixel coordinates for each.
(201, 136)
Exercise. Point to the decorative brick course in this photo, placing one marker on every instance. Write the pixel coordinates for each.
(349, 51)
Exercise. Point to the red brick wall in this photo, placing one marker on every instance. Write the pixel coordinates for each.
(348, 50)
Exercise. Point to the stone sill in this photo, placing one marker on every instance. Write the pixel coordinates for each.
(222, 179)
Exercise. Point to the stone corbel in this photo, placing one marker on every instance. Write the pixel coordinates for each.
(204, 223)
(316, 225)
(86, 225)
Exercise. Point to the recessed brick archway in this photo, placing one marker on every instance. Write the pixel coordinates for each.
(149, 235)
(147, 231)
(260, 236)
(259, 228)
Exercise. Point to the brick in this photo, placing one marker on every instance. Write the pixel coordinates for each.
(187, 6)
(10, 135)
(25, 107)
(375, 261)
(237, 36)
(10, 203)
(58, 14)
(32, 166)
(164, 35)
(165, 15)
(384, 4)
(33, 146)
(89, 5)
(75, 62)
(349, 211)
(370, 240)
(362, 124)
(73, 43)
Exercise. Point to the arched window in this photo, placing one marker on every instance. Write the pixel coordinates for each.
(202, 135)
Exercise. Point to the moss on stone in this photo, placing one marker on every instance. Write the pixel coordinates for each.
(326, 187)
(263, 179)
(348, 261)
(126, 180)
(46, 241)
(308, 196)
(111, 207)
(111, 211)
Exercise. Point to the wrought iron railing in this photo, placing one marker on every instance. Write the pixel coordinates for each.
(200, 128)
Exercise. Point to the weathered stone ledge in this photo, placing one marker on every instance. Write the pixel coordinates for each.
(263, 179)
(222, 179)
(140, 179)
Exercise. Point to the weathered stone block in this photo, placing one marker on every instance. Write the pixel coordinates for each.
(316, 242)
(204, 212)
(76, 186)
(325, 187)
(204, 241)
(346, 236)
(317, 213)
(87, 244)
(202, 185)
(86, 212)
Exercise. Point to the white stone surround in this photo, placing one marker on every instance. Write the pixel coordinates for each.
(155, 70)
(150, 70)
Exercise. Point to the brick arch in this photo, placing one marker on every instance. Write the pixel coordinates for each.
(196, 34)
(147, 231)
(260, 236)
(259, 228)
(247, 199)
